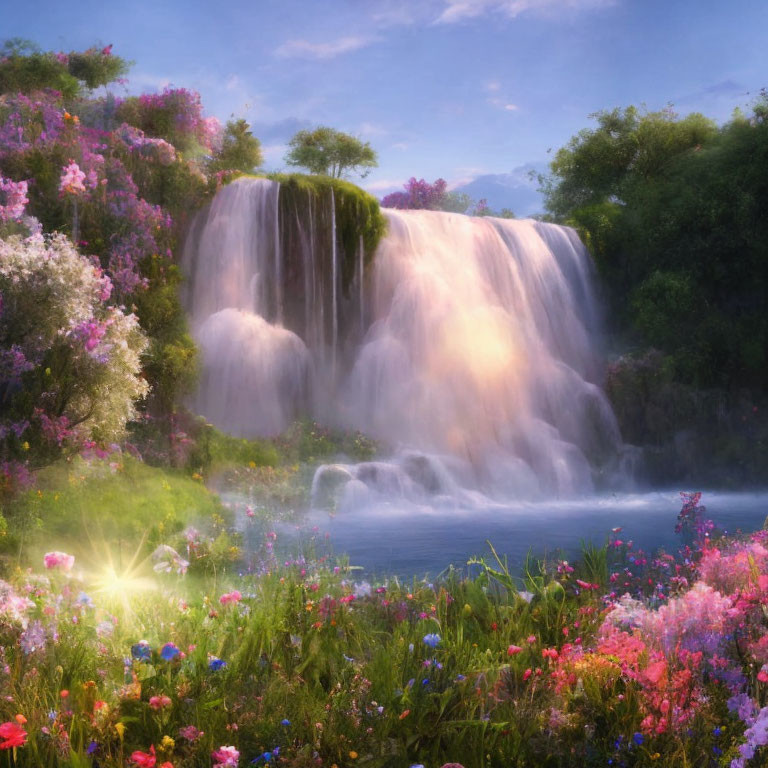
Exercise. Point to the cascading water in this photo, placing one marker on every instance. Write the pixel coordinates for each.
(469, 348)
(255, 373)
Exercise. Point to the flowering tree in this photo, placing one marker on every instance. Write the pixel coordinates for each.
(69, 363)
(418, 194)
(120, 176)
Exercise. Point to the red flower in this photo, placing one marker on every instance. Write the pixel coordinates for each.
(12, 735)
(145, 759)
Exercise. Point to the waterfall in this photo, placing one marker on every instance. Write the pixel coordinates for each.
(470, 348)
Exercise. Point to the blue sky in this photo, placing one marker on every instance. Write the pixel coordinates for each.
(451, 88)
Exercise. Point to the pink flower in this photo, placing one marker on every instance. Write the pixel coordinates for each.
(513, 649)
(190, 733)
(528, 672)
(13, 199)
(72, 179)
(159, 702)
(230, 597)
(144, 759)
(60, 560)
(228, 757)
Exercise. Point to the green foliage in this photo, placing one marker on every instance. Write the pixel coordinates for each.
(24, 68)
(358, 214)
(171, 360)
(240, 150)
(627, 147)
(329, 152)
(307, 441)
(89, 507)
(215, 450)
(673, 211)
(456, 202)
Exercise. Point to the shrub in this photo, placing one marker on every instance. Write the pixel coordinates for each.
(69, 363)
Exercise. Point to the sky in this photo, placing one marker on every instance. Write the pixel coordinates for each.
(440, 88)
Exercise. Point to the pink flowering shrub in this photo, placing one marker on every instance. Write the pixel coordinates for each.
(175, 115)
(13, 200)
(418, 194)
(72, 178)
(69, 369)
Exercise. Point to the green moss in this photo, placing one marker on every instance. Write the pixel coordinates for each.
(357, 212)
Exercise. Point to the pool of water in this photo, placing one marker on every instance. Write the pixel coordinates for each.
(395, 537)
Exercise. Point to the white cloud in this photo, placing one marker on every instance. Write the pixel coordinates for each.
(463, 175)
(401, 145)
(372, 129)
(493, 86)
(457, 10)
(500, 103)
(382, 185)
(304, 49)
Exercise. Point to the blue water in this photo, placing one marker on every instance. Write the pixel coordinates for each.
(394, 538)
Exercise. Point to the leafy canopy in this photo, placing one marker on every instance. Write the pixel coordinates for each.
(24, 68)
(673, 210)
(329, 152)
(240, 149)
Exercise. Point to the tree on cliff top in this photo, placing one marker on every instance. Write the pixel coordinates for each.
(240, 149)
(329, 152)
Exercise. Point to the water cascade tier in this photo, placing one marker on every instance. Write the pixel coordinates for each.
(467, 345)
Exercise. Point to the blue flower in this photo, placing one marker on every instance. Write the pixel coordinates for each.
(432, 640)
(215, 664)
(92, 747)
(141, 651)
(638, 738)
(169, 652)
(285, 722)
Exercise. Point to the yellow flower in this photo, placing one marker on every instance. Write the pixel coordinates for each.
(167, 743)
(120, 728)
(353, 754)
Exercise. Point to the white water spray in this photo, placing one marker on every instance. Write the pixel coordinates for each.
(478, 365)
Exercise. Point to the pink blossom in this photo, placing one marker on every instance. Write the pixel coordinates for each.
(72, 179)
(228, 757)
(230, 597)
(60, 560)
(159, 702)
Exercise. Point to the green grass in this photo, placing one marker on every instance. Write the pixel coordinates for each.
(77, 505)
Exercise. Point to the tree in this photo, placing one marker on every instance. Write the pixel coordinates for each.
(240, 149)
(628, 147)
(24, 68)
(70, 364)
(329, 152)
(673, 211)
(418, 194)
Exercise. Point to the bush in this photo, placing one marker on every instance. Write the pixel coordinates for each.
(69, 364)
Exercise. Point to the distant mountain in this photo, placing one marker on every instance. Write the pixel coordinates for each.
(515, 190)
